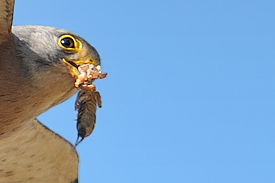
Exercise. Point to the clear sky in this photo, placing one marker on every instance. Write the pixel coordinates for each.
(190, 95)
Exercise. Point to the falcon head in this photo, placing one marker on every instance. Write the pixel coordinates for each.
(46, 59)
(42, 48)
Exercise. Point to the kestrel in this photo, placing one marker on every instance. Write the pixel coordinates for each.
(36, 68)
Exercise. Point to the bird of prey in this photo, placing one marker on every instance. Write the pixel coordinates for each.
(36, 63)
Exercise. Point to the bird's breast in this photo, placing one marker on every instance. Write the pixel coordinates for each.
(23, 99)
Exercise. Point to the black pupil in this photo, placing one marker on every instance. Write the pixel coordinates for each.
(67, 42)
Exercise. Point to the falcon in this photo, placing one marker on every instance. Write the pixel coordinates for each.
(36, 67)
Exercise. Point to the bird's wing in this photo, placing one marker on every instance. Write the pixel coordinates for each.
(6, 17)
(37, 154)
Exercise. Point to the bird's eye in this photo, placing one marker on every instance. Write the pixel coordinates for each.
(67, 42)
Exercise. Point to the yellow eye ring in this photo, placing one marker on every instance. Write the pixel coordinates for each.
(69, 43)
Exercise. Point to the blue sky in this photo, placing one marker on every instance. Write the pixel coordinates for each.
(190, 94)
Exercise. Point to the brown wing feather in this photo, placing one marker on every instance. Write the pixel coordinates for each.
(6, 17)
(37, 154)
